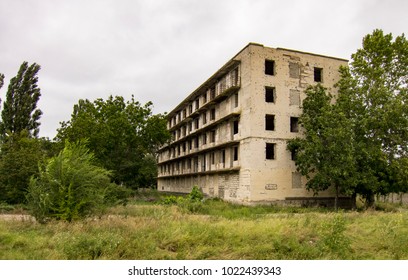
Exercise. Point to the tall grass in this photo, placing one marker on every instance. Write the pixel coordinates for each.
(217, 231)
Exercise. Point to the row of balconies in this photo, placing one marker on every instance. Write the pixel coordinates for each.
(220, 134)
(215, 161)
(221, 89)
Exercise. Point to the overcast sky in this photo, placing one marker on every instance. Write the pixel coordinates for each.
(162, 50)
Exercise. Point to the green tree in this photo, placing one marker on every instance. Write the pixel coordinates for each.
(1, 80)
(20, 107)
(373, 95)
(123, 135)
(325, 155)
(19, 159)
(70, 186)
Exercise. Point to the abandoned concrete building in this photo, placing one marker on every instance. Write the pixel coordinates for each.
(230, 134)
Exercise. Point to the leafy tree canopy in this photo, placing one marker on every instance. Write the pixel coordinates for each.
(20, 107)
(123, 135)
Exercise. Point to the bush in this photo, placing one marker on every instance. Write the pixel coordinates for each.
(70, 186)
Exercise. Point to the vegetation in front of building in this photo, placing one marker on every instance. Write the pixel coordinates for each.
(152, 230)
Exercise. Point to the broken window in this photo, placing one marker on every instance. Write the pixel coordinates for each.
(269, 67)
(197, 103)
(212, 114)
(212, 158)
(222, 156)
(212, 136)
(270, 94)
(196, 142)
(236, 126)
(270, 151)
(294, 124)
(318, 74)
(269, 122)
(235, 153)
(212, 93)
(196, 123)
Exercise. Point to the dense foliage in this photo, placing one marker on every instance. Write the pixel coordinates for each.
(70, 186)
(19, 109)
(123, 135)
(359, 145)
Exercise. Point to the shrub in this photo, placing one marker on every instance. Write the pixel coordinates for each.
(70, 186)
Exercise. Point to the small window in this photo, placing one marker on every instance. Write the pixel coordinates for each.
(236, 100)
(212, 114)
(212, 136)
(270, 94)
(222, 156)
(235, 153)
(212, 93)
(205, 117)
(190, 109)
(236, 127)
(294, 124)
(270, 122)
(196, 142)
(205, 98)
(212, 158)
(318, 75)
(196, 123)
(204, 138)
(197, 103)
(269, 67)
(270, 151)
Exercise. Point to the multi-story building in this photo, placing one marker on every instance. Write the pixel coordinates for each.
(230, 134)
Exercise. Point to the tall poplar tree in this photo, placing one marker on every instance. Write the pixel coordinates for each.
(20, 107)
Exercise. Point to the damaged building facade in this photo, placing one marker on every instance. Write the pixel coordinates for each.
(229, 136)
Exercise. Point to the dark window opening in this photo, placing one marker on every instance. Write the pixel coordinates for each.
(205, 117)
(212, 114)
(212, 158)
(269, 67)
(294, 124)
(270, 151)
(212, 136)
(190, 109)
(197, 104)
(235, 155)
(318, 74)
(212, 93)
(269, 94)
(204, 138)
(293, 154)
(269, 122)
(196, 123)
(236, 126)
(222, 157)
(196, 142)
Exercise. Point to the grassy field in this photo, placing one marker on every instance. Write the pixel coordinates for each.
(216, 230)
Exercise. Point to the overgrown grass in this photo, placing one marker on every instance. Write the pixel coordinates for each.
(217, 230)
